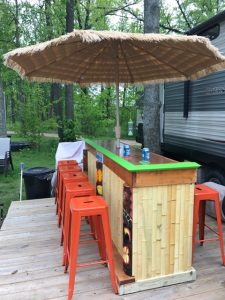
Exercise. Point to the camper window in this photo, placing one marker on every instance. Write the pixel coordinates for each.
(211, 33)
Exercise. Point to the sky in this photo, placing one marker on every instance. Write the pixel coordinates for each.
(171, 3)
(113, 20)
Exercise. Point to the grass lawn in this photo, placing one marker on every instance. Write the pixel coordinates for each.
(10, 184)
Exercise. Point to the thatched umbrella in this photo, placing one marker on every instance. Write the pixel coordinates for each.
(87, 57)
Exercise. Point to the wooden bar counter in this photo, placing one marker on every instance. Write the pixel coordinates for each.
(151, 214)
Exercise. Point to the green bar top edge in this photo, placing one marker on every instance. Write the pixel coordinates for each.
(138, 168)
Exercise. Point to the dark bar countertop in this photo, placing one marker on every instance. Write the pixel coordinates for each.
(134, 163)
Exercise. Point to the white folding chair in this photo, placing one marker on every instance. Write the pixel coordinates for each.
(68, 151)
(5, 154)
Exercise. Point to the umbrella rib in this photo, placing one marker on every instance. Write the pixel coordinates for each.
(126, 61)
(148, 52)
(187, 48)
(164, 62)
(114, 54)
(63, 57)
(87, 66)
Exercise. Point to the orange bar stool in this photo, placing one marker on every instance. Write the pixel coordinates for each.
(91, 207)
(64, 163)
(202, 194)
(67, 162)
(75, 189)
(68, 178)
(63, 169)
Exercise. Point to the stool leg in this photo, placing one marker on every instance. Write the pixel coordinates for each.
(108, 242)
(74, 242)
(220, 231)
(56, 189)
(66, 223)
(61, 215)
(92, 222)
(99, 234)
(195, 220)
(62, 239)
(56, 203)
(62, 218)
(58, 194)
(60, 201)
(202, 207)
(104, 256)
(56, 199)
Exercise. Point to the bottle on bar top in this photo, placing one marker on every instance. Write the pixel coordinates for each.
(126, 150)
(145, 154)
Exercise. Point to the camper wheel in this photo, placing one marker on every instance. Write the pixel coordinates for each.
(215, 175)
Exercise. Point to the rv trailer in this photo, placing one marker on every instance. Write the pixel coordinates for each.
(194, 113)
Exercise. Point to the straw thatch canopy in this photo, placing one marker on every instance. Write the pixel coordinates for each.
(86, 56)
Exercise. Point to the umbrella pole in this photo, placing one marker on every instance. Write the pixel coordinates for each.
(117, 128)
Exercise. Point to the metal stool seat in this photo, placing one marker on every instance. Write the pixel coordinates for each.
(70, 168)
(202, 194)
(67, 162)
(68, 178)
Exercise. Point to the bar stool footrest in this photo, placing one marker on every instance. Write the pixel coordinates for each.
(100, 262)
(207, 240)
(88, 241)
(211, 229)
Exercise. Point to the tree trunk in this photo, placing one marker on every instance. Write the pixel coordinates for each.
(20, 97)
(58, 108)
(17, 34)
(108, 103)
(2, 112)
(151, 126)
(13, 110)
(69, 107)
(56, 99)
(48, 19)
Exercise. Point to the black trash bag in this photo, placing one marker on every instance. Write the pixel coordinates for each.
(38, 182)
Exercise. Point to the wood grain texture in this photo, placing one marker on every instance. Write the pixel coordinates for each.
(113, 194)
(145, 179)
(92, 168)
(161, 230)
(121, 277)
(34, 271)
(148, 178)
(125, 175)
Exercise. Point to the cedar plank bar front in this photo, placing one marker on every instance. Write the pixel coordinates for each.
(151, 214)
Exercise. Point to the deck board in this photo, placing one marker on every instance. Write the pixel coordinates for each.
(30, 263)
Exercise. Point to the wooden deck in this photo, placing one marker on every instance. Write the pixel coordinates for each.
(30, 263)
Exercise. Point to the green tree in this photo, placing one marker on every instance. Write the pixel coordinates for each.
(186, 14)
(69, 104)
(151, 126)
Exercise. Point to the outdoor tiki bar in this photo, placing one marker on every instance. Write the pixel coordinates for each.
(151, 214)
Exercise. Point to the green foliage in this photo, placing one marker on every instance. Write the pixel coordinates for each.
(69, 132)
(91, 117)
(186, 15)
(10, 184)
(49, 125)
(30, 108)
(32, 111)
